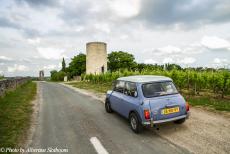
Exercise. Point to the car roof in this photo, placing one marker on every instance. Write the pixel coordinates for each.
(144, 78)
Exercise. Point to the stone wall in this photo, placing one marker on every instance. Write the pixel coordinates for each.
(11, 84)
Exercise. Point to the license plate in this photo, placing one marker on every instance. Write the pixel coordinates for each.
(170, 110)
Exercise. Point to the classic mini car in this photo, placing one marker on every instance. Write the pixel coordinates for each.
(146, 101)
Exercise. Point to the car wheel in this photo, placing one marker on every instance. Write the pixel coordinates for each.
(180, 121)
(108, 106)
(135, 124)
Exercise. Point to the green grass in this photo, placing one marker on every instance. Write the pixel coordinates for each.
(207, 101)
(97, 87)
(218, 104)
(15, 112)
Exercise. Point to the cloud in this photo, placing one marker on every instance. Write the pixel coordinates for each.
(187, 60)
(213, 42)
(17, 68)
(79, 28)
(179, 60)
(51, 53)
(4, 58)
(104, 27)
(174, 50)
(220, 62)
(4, 22)
(193, 48)
(168, 60)
(49, 67)
(124, 36)
(76, 13)
(150, 61)
(169, 50)
(190, 13)
(125, 8)
(39, 3)
(34, 41)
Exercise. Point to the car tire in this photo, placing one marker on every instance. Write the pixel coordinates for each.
(108, 106)
(180, 121)
(135, 123)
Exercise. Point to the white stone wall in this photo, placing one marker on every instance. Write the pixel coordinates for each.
(96, 57)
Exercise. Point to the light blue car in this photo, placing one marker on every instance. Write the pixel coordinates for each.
(146, 100)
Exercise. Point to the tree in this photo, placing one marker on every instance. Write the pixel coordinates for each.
(53, 75)
(78, 65)
(148, 67)
(170, 67)
(57, 76)
(121, 60)
(63, 65)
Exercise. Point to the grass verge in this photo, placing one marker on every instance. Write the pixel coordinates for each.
(96, 87)
(215, 103)
(15, 113)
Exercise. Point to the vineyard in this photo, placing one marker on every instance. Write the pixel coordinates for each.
(194, 82)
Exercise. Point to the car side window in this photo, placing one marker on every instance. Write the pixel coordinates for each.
(119, 86)
(130, 89)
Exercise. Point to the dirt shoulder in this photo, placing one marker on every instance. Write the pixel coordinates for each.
(204, 132)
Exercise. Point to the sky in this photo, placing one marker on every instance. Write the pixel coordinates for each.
(36, 34)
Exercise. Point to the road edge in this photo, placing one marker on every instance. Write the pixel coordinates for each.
(85, 92)
(34, 117)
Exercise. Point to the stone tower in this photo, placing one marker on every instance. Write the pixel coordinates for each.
(41, 75)
(96, 58)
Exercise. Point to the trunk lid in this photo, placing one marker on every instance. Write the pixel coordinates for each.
(157, 104)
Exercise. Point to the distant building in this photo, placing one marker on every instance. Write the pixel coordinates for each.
(41, 75)
(96, 57)
(65, 78)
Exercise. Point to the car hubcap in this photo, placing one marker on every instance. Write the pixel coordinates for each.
(133, 123)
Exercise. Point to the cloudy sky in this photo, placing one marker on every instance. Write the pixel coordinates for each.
(36, 34)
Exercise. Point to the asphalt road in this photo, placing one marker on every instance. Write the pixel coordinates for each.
(70, 120)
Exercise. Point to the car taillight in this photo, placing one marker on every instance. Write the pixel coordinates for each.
(187, 106)
(147, 114)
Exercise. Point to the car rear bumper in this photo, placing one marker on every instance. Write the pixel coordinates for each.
(166, 120)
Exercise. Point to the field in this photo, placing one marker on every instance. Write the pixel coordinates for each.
(1, 77)
(216, 82)
(15, 111)
(201, 88)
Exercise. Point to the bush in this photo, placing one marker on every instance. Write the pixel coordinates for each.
(57, 76)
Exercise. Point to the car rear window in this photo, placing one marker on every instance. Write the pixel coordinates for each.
(158, 89)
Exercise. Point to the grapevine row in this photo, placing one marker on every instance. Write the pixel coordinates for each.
(217, 82)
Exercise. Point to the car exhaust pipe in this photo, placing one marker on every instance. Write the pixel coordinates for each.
(156, 127)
